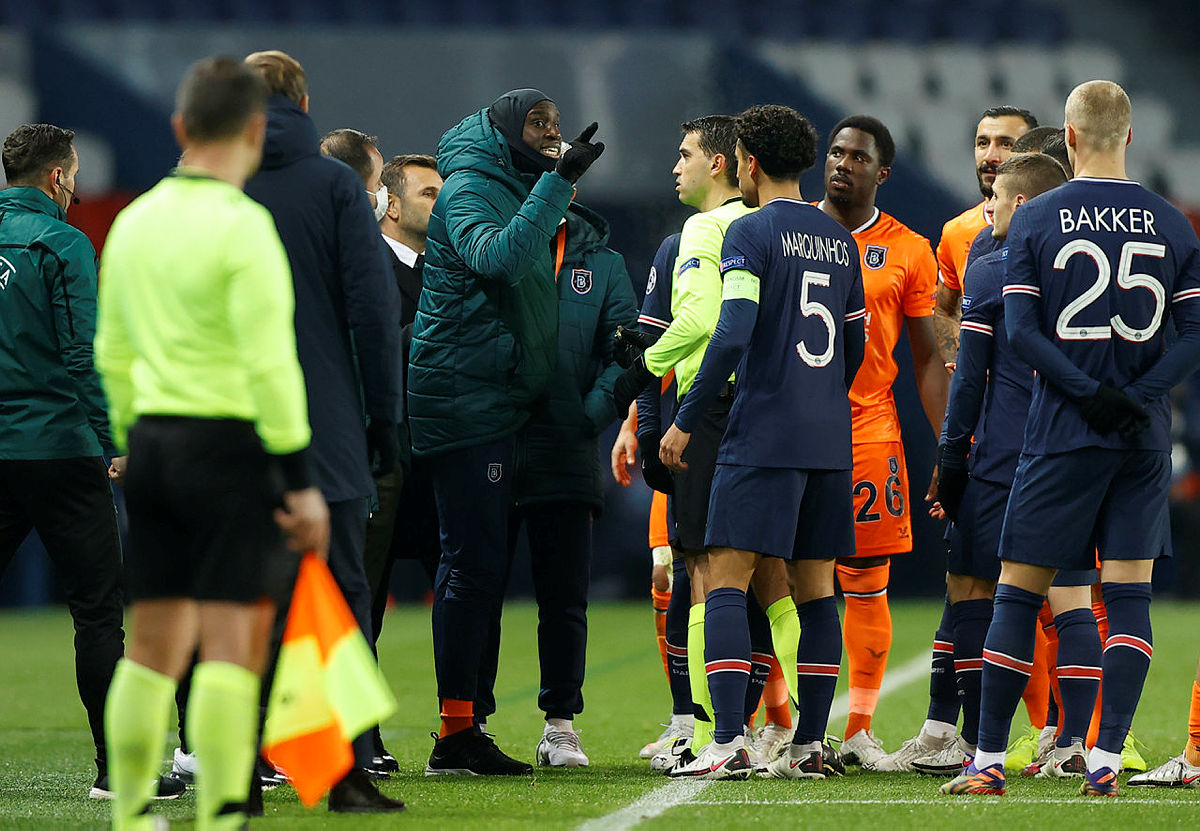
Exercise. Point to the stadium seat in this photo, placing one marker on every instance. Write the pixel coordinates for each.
(907, 21)
(17, 104)
(1026, 73)
(960, 73)
(649, 13)
(894, 71)
(1079, 62)
(972, 21)
(1153, 123)
(829, 69)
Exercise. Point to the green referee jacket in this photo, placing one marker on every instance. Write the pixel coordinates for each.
(51, 402)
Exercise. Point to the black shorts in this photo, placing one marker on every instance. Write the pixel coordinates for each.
(689, 502)
(200, 494)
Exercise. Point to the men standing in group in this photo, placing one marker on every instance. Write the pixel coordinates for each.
(899, 278)
(998, 128)
(791, 322)
(1096, 456)
(484, 348)
(347, 338)
(361, 152)
(53, 424)
(197, 348)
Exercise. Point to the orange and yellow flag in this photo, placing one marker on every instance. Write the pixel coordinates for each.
(327, 690)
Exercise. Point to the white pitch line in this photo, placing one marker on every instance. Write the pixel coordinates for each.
(663, 799)
(1005, 800)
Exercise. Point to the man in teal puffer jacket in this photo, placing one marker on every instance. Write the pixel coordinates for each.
(484, 349)
(558, 489)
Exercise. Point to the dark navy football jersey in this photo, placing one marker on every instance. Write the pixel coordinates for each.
(992, 386)
(983, 244)
(1095, 267)
(792, 291)
(657, 403)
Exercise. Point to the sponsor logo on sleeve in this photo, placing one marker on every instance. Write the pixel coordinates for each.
(966, 303)
(694, 262)
(875, 256)
(581, 280)
(732, 262)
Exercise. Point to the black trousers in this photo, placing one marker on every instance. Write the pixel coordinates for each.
(560, 550)
(70, 504)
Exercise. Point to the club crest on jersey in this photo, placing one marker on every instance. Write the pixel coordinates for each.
(652, 280)
(6, 272)
(581, 280)
(495, 471)
(875, 256)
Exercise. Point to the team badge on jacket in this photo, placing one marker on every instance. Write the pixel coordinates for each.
(581, 280)
(6, 271)
(875, 256)
(495, 471)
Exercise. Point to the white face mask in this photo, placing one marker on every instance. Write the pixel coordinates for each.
(381, 202)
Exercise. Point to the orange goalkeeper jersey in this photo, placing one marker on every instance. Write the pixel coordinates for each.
(899, 281)
(955, 244)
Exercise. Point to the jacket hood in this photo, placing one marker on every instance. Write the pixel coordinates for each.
(475, 144)
(586, 229)
(29, 198)
(291, 134)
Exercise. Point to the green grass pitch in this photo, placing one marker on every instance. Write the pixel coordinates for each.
(45, 767)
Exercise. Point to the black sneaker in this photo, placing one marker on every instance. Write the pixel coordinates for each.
(382, 760)
(168, 788)
(472, 752)
(831, 761)
(357, 794)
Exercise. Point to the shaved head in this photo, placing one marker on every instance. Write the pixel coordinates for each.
(1099, 111)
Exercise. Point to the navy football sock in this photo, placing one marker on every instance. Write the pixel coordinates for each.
(943, 691)
(761, 652)
(1078, 672)
(1007, 663)
(817, 662)
(677, 627)
(1126, 659)
(726, 660)
(971, 619)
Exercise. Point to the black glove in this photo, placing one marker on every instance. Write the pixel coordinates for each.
(654, 473)
(383, 447)
(952, 483)
(629, 344)
(629, 385)
(579, 158)
(1111, 410)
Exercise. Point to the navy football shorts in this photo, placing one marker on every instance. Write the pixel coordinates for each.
(782, 512)
(1118, 498)
(974, 541)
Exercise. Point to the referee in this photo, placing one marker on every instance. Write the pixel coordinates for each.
(197, 351)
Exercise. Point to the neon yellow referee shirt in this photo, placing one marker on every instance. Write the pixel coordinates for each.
(196, 313)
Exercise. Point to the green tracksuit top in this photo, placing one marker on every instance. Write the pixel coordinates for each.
(196, 313)
(51, 403)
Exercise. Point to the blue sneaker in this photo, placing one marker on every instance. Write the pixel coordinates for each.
(1101, 783)
(988, 781)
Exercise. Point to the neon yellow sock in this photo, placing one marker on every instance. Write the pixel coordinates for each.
(785, 637)
(135, 729)
(222, 730)
(701, 700)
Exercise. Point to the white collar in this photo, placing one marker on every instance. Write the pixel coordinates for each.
(874, 218)
(405, 254)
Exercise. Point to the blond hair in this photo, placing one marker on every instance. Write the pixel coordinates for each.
(283, 73)
(1100, 112)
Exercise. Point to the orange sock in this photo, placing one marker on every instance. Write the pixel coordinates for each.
(1101, 613)
(1037, 690)
(867, 631)
(1046, 619)
(660, 601)
(456, 716)
(775, 696)
(1192, 751)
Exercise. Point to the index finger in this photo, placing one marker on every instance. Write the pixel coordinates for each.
(587, 133)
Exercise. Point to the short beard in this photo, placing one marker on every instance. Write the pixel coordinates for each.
(841, 200)
(984, 188)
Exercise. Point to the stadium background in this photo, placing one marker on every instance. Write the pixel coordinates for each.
(405, 70)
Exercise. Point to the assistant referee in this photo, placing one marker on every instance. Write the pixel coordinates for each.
(197, 351)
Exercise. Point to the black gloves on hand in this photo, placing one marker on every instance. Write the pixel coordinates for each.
(383, 447)
(1111, 410)
(952, 483)
(630, 383)
(579, 158)
(629, 344)
(654, 473)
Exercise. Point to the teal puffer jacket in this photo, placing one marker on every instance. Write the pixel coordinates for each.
(485, 337)
(557, 456)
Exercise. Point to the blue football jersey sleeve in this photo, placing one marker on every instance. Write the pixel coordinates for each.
(654, 318)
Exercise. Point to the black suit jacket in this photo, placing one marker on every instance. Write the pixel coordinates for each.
(408, 280)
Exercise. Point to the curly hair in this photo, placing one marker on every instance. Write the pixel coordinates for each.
(782, 140)
(32, 149)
